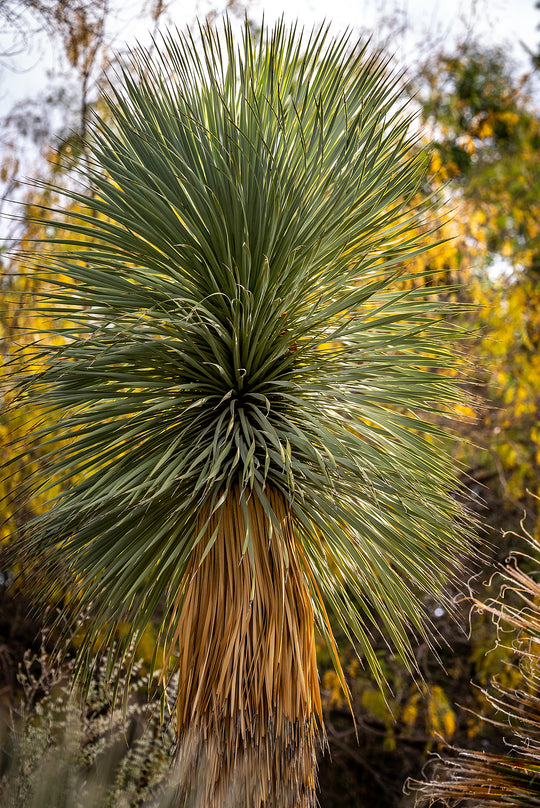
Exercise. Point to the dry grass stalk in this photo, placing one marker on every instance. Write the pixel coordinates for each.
(482, 780)
(248, 696)
(487, 780)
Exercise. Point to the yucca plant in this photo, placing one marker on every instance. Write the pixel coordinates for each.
(488, 780)
(244, 378)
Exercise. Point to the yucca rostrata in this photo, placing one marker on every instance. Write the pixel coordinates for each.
(239, 380)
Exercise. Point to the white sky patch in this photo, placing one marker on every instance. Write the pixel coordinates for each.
(412, 30)
(414, 22)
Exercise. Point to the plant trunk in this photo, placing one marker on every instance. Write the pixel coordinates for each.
(249, 707)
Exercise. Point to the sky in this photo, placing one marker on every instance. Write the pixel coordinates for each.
(510, 21)
(414, 22)
(408, 28)
(510, 17)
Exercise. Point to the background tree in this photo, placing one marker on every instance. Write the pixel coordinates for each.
(488, 147)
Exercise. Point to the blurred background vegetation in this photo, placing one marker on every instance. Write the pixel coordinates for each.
(481, 114)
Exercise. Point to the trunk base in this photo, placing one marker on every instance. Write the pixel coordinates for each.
(249, 709)
(266, 773)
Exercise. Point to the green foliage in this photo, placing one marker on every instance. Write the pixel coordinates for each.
(228, 317)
